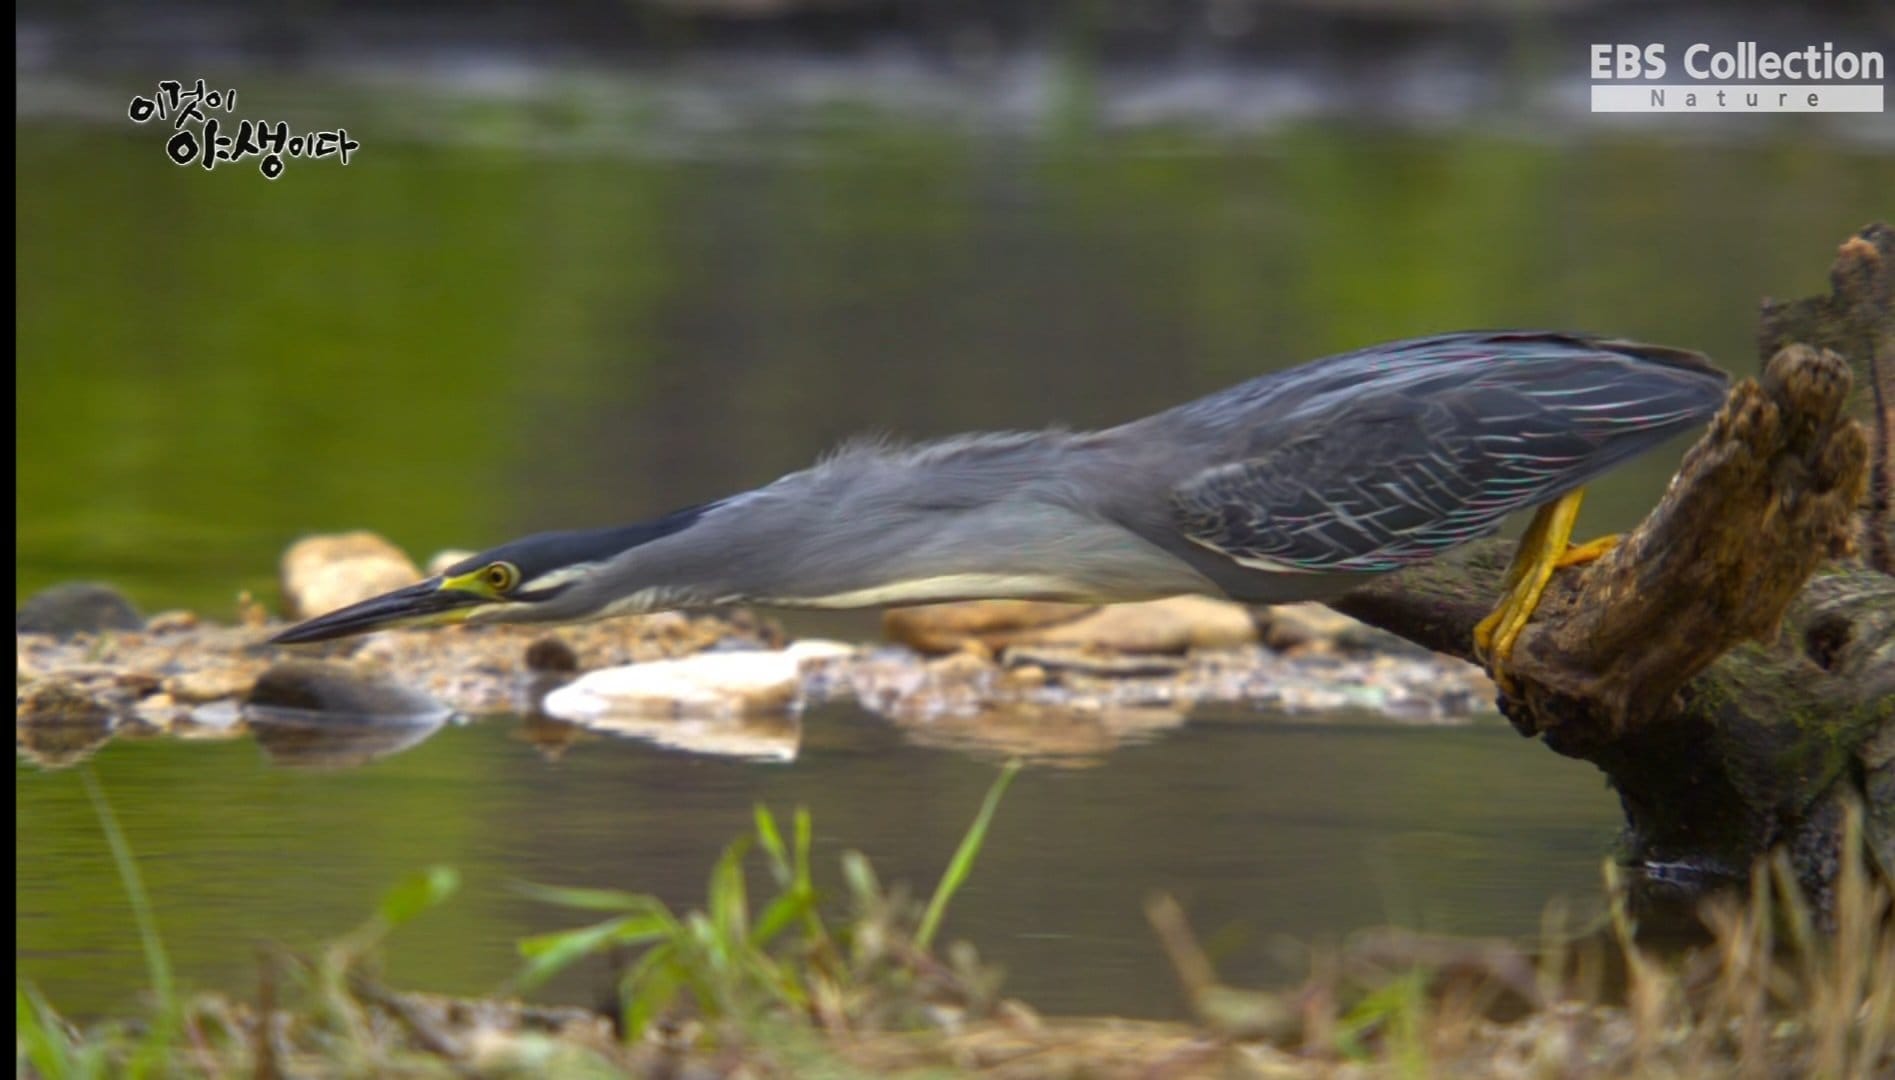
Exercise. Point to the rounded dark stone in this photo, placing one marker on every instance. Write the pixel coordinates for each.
(313, 714)
(77, 608)
(551, 654)
(317, 686)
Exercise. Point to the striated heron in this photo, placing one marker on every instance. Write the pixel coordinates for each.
(1292, 486)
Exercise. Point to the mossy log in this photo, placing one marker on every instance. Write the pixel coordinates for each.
(1730, 665)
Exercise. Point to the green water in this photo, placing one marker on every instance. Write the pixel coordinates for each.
(1261, 827)
(455, 345)
(456, 341)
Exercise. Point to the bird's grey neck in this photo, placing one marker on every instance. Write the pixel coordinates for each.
(983, 517)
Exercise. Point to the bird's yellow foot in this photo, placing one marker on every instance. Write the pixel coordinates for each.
(1542, 550)
(1590, 551)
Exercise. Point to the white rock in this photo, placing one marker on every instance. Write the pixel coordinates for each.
(770, 737)
(819, 650)
(219, 719)
(722, 683)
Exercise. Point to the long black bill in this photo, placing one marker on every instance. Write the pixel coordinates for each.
(420, 602)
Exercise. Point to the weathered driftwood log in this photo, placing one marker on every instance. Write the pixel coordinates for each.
(1730, 666)
(1857, 319)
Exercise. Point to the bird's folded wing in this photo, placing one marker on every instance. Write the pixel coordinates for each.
(1384, 486)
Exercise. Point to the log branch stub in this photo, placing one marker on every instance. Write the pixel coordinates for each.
(1857, 320)
(1764, 498)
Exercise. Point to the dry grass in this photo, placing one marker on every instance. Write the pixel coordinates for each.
(1768, 995)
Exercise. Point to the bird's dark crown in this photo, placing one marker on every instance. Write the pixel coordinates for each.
(544, 552)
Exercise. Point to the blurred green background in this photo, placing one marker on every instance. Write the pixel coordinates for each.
(553, 293)
(454, 344)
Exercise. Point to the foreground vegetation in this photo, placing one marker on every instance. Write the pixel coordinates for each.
(797, 986)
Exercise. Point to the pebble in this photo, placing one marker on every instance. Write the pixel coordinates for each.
(160, 711)
(218, 720)
(1313, 627)
(209, 683)
(722, 683)
(317, 714)
(945, 628)
(77, 608)
(317, 686)
(1173, 625)
(319, 574)
(171, 622)
(551, 654)
(1026, 675)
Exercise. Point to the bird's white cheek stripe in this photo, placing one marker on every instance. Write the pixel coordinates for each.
(560, 576)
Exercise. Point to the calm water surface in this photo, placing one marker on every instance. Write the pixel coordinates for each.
(1262, 826)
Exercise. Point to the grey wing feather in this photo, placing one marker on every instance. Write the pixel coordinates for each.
(1374, 460)
(1391, 484)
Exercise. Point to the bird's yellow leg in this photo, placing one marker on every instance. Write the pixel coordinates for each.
(1532, 541)
(1541, 551)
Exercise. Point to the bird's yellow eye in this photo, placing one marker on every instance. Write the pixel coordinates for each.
(501, 576)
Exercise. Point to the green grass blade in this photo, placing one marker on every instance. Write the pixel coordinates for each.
(417, 893)
(549, 954)
(649, 989)
(804, 831)
(772, 841)
(40, 1038)
(963, 861)
(156, 961)
(588, 899)
(859, 873)
(704, 945)
(803, 883)
(624, 930)
(730, 905)
(777, 980)
(790, 906)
